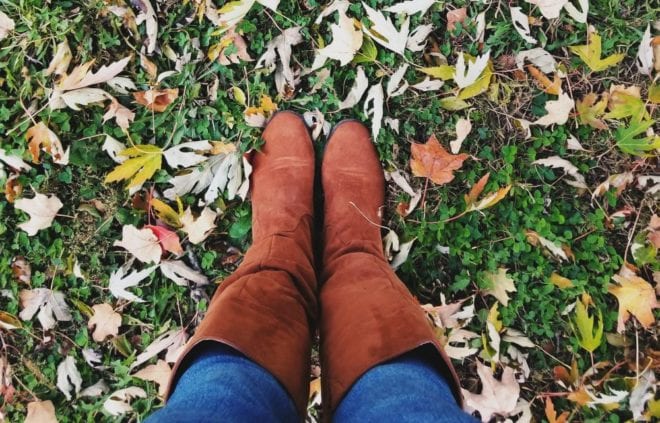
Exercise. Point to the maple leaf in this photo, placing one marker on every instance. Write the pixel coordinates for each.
(463, 128)
(489, 200)
(177, 156)
(521, 24)
(144, 161)
(466, 75)
(141, 243)
(591, 53)
(221, 50)
(182, 275)
(551, 414)
(40, 137)
(589, 112)
(432, 161)
(122, 115)
(158, 373)
(105, 321)
(373, 106)
(456, 16)
(628, 141)
(281, 47)
(411, 7)
(558, 111)
(168, 239)
(119, 281)
(173, 341)
(357, 90)
(636, 297)
(497, 397)
(198, 229)
(384, 32)
(156, 99)
(551, 87)
(588, 338)
(578, 180)
(556, 250)
(61, 60)
(501, 284)
(42, 210)
(346, 40)
(50, 305)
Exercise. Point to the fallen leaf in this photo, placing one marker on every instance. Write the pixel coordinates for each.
(373, 106)
(15, 162)
(402, 254)
(238, 46)
(578, 180)
(346, 40)
(227, 170)
(456, 16)
(281, 47)
(645, 53)
(551, 414)
(42, 210)
(497, 397)
(521, 24)
(411, 7)
(181, 274)
(122, 115)
(549, 8)
(643, 392)
(198, 229)
(105, 322)
(636, 297)
(40, 411)
(555, 249)
(168, 239)
(463, 128)
(539, 58)
(395, 86)
(68, 377)
(177, 156)
(558, 111)
(40, 137)
(551, 87)
(357, 90)
(158, 373)
(501, 284)
(113, 148)
(60, 61)
(417, 39)
(384, 32)
(6, 25)
(144, 160)
(432, 161)
(589, 111)
(619, 181)
(142, 243)
(560, 281)
(95, 390)
(119, 401)
(629, 141)
(147, 14)
(588, 337)
(156, 99)
(50, 305)
(173, 341)
(591, 53)
(467, 75)
(120, 280)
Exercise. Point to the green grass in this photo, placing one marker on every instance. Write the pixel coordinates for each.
(94, 212)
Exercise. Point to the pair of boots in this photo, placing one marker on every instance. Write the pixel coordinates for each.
(269, 308)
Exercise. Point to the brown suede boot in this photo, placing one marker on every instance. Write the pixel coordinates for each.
(368, 316)
(267, 309)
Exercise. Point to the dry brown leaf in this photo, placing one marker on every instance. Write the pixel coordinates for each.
(21, 269)
(158, 373)
(456, 16)
(636, 297)
(39, 137)
(13, 188)
(432, 161)
(156, 99)
(105, 322)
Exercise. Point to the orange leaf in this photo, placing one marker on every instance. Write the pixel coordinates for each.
(477, 189)
(455, 16)
(551, 414)
(551, 87)
(168, 239)
(432, 161)
(580, 396)
(40, 137)
(156, 100)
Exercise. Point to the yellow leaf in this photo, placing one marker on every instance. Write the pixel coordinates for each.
(239, 95)
(626, 103)
(453, 103)
(636, 297)
(654, 93)
(560, 281)
(144, 162)
(584, 327)
(591, 52)
(589, 112)
(480, 85)
(490, 200)
(494, 317)
(166, 213)
(501, 284)
(444, 72)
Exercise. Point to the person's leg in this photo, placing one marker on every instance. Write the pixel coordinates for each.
(267, 309)
(222, 384)
(368, 314)
(406, 389)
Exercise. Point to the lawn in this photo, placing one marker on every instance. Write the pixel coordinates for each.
(522, 202)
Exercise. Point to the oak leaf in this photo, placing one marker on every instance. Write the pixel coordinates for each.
(432, 161)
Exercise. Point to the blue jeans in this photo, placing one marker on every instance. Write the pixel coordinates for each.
(222, 385)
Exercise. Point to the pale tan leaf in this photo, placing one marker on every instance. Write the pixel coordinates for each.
(346, 40)
(463, 128)
(497, 397)
(558, 111)
(122, 115)
(158, 373)
(198, 229)
(61, 60)
(50, 306)
(119, 401)
(119, 281)
(40, 411)
(501, 283)
(578, 180)
(141, 243)
(181, 274)
(384, 32)
(6, 26)
(411, 7)
(68, 377)
(42, 210)
(173, 341)
(105, 322)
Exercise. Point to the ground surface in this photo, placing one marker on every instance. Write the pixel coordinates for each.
(527, 281)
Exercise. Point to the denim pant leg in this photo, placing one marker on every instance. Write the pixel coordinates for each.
(406, 389)
(222, 385)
